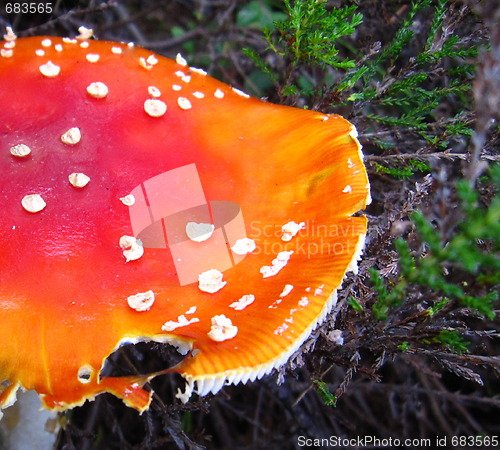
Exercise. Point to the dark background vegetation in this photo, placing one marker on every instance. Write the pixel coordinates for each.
(421, 81)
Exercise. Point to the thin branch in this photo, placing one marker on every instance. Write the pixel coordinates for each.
(445, 154)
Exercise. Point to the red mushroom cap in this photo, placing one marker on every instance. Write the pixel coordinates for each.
(143, 200)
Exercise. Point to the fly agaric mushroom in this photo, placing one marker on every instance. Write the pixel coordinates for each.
(195, 215)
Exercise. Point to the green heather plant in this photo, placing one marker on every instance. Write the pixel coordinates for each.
(306, 37)
(396, 88)
(449, 271)
(443, 289)
(411, 97)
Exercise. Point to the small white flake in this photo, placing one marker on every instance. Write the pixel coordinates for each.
(319, 290)
(347, 189)
(85, 33)
(20, 150)
(49, 69)
(335, 336)
(222, 329)
(191, 310)
(219, 94)
(243, 302)
(132, 248)
(186, 78)
(291, 229)
(198, 94)
(128, 200)
(116, 50)
(180, 60)
(243, 246)
(155, 107)
(240, 93)
(10, 44)
(350, 164)
(211, 281)
(6, 53)
(33, 203)
(148, 62)
(68, 40)
(10, 35)
(303, 302)
(97, 89)
(275, 304)
(58, 47)
(78, 179)
(84, 44)
(198, 71)
(179, 73)
(143, 63)
(92, 57)
(72, 136)
(152, 60)
(154, 91)
(286, 290)
(184, 103)
(176, 87)
(282, 328)
(278, 263)
(181, 322)
(142, 301)
(199, 232)
(46, 43)
(40, 52)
